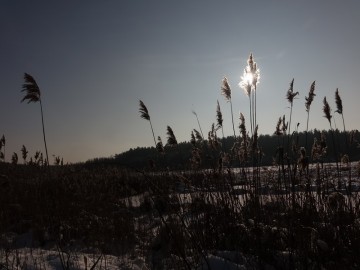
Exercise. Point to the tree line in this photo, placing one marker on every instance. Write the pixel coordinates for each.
(179, 157)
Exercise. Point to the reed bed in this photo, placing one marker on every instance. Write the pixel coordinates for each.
(302, 212)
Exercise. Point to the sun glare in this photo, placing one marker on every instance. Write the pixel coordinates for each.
(249, 78)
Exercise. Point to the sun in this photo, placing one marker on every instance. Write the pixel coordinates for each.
(248, 78)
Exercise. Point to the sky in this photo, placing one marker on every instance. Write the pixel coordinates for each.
(94, 61)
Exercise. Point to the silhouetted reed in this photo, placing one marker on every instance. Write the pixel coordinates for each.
(308, 100)
(219, 122)
(328, 116)
(339, 110)
(144, 113)
(248, 83)
(33, 94)
(226, 92)
(171, 139)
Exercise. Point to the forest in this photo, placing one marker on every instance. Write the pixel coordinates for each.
(179, 157)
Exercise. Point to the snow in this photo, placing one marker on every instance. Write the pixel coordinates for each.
(31, 259)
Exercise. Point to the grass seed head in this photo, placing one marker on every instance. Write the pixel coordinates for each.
(198, 135)
(251, 76)
(309, 99)
(14, 159)
(290, 95)
(225, 89)
(171, 137)
(338, 102)
(144, 113)
(327, 110)
(31, 88)
(219, 118)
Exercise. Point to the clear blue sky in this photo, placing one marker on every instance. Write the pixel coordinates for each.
(94, 60)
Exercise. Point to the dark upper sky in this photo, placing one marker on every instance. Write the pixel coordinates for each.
(94, 60)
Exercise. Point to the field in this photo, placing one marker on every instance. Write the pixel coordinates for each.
(116, 218)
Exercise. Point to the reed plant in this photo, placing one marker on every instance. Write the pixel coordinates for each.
(308, 100)
(33, 94)
(144, 113)
(226, 92)
(219, 123)
(328, 116)
(248, 83)
(197, 119)
(290, 95)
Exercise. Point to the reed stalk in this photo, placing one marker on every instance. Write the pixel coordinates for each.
(144, 113)
(33, 94)
(226, 92)
(194, 113)
(308, 100)
(328, 116)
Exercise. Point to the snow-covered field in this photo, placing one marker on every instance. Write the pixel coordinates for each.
(23, 251)
(36, 258)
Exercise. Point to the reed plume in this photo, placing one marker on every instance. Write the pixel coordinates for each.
(328, 116)
(327, 111)
(33, 94)
(171, 140)
(31, 88)
(219, 120)
(339, 107)
(14, 159)
(338, 101)
(226, 92)
(308, 100)
(248, 83)
(225, 89)
(243, 151)
(144, 114)
(198, 136)
(290, 95)
(24, 153)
